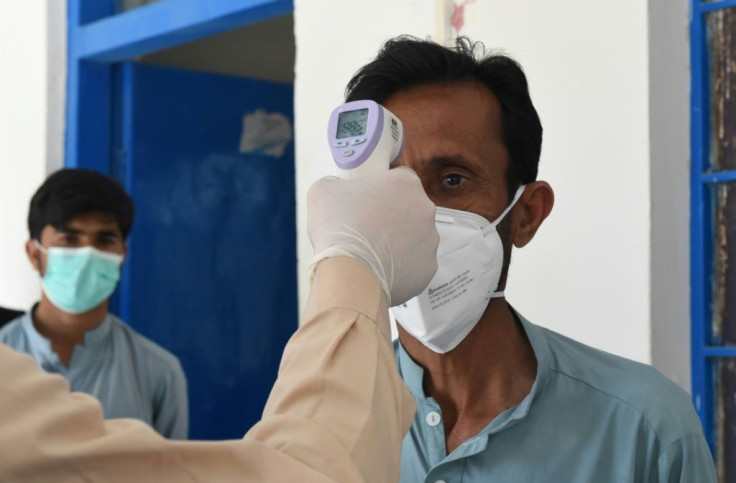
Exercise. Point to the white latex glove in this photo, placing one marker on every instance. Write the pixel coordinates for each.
(384, 220)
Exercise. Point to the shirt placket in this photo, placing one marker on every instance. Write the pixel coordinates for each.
(433, 429)
(452, 467)
(47, 359)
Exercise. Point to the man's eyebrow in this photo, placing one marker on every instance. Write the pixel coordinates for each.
(447, 160)
(101, 233)
(108, 233)
(69, 231)
(450, 160)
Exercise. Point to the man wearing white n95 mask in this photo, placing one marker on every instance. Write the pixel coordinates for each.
(338, 410)
(499, 398)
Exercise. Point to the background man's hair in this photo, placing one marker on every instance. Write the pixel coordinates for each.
(405, 62)
(71, 192)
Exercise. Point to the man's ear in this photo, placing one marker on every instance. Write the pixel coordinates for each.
(533, 207)
(125, 249)
(33, 254)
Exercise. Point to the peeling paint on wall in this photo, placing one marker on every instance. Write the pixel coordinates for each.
(266, 134)
(721, 38)
(721, 32)
(724, 321)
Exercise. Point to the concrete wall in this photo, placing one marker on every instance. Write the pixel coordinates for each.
(589, 274)
(23, 145)
(265, 50)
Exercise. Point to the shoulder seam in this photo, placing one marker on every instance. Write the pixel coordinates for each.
(613, 396)
(151, 348)
(11, 328)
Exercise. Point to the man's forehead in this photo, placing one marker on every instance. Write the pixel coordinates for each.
(456, 111)
(454, 124)
(437, 97)
(91, 223)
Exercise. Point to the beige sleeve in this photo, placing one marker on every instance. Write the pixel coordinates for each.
(338, 410)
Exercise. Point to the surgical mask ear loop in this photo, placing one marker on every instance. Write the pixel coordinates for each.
(40, 247)
(38, 259)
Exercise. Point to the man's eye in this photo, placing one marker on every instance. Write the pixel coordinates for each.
(453, 179)
(70, 239)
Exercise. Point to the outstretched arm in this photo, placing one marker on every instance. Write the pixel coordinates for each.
(337, 412)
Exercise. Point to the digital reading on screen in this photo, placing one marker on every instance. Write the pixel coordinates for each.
(352, 123)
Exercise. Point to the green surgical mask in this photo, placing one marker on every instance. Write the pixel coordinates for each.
(79, 279)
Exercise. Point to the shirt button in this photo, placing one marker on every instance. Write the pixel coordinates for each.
(433, 419)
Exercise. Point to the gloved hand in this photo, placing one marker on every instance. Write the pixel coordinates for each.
(385, 220)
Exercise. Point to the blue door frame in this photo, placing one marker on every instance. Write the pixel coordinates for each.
(99, 38)
(706, 351)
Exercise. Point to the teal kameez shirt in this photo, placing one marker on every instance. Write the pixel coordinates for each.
(590, 417)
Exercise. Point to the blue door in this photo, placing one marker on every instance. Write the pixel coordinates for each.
(211, 268)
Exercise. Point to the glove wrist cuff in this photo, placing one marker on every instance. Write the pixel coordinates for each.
(332, 252)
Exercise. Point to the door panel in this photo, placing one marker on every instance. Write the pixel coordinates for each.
(211, 268)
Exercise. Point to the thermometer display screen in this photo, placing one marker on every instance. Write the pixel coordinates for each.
(352, 123)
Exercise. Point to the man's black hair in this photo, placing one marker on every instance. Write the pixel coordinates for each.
(71, 192)
(405, 62)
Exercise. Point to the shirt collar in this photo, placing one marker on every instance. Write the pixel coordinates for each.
(413, 376)
(541, 349)
(94, 336)
(42, 345)
(411, 372)
(39, 344)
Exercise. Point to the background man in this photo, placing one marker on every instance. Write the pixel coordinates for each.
(78, 221)
(498, 397)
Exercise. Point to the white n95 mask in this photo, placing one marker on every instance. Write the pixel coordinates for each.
(470, 260)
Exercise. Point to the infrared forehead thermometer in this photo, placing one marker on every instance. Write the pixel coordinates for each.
(365, 138)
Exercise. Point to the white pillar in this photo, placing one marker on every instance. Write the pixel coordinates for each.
(669, 104)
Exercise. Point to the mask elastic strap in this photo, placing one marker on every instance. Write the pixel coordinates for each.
(505, 212)
(40, 247)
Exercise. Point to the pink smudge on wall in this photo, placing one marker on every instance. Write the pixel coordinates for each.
(458, 15)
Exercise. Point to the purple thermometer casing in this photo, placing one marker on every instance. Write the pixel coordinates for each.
(346, 153)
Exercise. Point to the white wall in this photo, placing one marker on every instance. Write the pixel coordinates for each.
(23, 111)
(588, 272)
